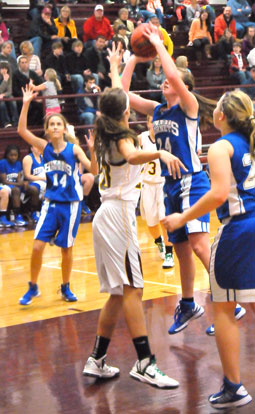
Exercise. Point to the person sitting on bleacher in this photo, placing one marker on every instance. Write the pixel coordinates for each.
(34, 63)
(77, 66)
(192, 12)
(135, 14)
(200, 37)
(241, 11)
(67, 32)
(20, 79)
(4, 201)
(224, 21)
(87, 106)
(248, 42)
(97, 61)
(155, 77)
(225, 46)
(97, 25)
(167, 41)
(121, 34)
(8, 109)
(238, 66)
(11, 176)
(5, 55)
(250, 81)
(57, 61)
(123, 19)
(4, 36)
(43, 31)
(36, 7)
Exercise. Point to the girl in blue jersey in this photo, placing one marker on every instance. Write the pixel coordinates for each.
(11, 175)
(34, 173)
(176, 130)
(60, 214)
(232, 267)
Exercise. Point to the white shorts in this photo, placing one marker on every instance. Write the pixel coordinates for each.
(116, 246)
(152, 205)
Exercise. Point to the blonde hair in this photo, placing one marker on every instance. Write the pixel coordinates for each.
(181, 62)
(66, 8)
(52, 76)
(27, 44)
(68, 137)
(152, 66)
(237, 106)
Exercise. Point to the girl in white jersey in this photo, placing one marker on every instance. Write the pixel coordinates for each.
(232, 266)
(114, 233)
(176, 130)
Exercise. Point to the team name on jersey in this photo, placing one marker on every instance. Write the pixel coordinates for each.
(164, 125)
(57, 165)
(38, 170)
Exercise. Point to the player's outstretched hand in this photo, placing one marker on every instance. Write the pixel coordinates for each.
(173, 163)
(152, 33)
(115, 54)
(173, 222)
(28, 93)
(90, 139)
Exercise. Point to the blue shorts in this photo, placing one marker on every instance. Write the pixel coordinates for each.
(58, 220)
(232, 264)
(179, 196)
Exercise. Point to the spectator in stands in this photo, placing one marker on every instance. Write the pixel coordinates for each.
(87, 106)
(241, 11)
(34, 63)
(34, 173)
(4, 201)
(43, 31)
(167, 41)
(8, 109)
(121, 34)
(57, 61)
(123, 19)
(182, 62)
(11, 173)
(50, 87)
(224, 21)
(250, 80)
(5, 55)
(225, 45)
(155, 77)
(4, 36)
(248, 42)
(96, 58)
(135, 14)
(77, 66)
(125, 52)
(251, 58)
(200, 37)
(192, 12)
(97, 25)
(20, 79)
(238, 65)
(66, 27)
(155, 7)
(36, 7)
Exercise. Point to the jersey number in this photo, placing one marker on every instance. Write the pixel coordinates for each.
(152, 170)
(61, 182)
(167, 145)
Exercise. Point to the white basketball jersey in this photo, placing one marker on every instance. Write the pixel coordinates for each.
(152, 169)
(118, 179)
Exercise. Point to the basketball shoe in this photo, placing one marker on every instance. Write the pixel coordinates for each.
(98, 368)
(67, 294)
(184, 313)
(161, 249)
(32, 292)
(239, 313)
(5, 222)
(230, 395)
(169, 261)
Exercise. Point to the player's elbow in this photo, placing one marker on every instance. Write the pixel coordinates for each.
(220, 196)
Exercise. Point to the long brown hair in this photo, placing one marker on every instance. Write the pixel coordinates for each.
(67, 136)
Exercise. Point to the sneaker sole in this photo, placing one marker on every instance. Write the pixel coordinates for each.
(244, 401)
(168, 267)
(28, 303)
(196, 316)
(88, 373)
(141, 378)
(69, 300)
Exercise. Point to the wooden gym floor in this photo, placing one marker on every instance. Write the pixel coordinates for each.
(44, 346)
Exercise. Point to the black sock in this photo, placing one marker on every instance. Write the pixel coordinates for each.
(188, 299)
(158, 240)
(169, 249)
(3, 213)
(100, 347)
(142, 347)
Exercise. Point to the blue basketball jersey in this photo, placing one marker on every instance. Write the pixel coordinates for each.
(11, 170)
(241, 198)
(37, 168)
(62, 172)
(175, 132)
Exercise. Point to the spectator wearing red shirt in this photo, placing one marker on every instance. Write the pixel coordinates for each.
(97, 25)
(222, 22)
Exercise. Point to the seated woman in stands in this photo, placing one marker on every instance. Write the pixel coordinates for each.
(26, 49)
(248, 42)
(155, 78)
(4, 201)
(225, 45)
(8, 109)
(66, 28)
(11, 177)
(200, 37)
(123, 19)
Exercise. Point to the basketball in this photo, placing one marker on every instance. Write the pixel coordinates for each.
(140, 45)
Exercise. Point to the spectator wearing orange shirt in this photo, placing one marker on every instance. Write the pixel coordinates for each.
(200, 37)
(222, 22)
